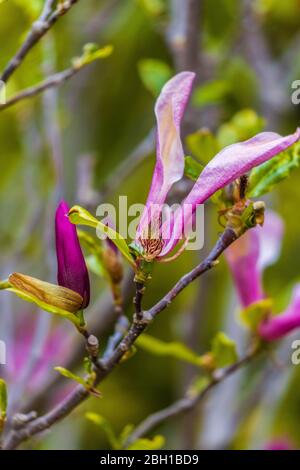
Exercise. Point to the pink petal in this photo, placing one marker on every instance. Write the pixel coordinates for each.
(242, 257)
(281, 443)
(169, 167)
(270, 239)
(278, 326)
(229, 164)
(236, 160)
(250, 254)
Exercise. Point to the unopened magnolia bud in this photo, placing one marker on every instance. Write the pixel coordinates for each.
(113, 265)
(57, 296)
(72, 272)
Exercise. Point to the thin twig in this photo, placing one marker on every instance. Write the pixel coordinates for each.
(189, 401)
(139, 294)
(38, 29)
(121, 327)
(51, 82)
(79, 394)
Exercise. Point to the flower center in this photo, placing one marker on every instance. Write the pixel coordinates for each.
(152, 247)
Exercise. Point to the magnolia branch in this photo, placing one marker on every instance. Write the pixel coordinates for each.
(105, 366)
(50, 82)
(189, 401)
(39, 28)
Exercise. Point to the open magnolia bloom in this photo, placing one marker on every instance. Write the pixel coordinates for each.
(247, 258)
(156, 238)
(72, 293)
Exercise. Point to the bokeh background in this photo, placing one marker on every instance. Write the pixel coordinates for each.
(91, 140)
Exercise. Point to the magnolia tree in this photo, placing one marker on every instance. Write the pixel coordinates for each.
(249, 237)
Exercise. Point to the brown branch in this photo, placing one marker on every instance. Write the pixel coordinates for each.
(139, 293)
(189, 401)
(79, 394)
(51, 82)
(38, 29)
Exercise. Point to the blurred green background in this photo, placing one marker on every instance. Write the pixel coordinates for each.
(246, 55)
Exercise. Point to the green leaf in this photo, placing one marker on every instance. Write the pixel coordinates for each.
(67, 373)
(212, 92)
(223, 350)
(80, 216)
(92, 52)
(192, 168)
(173, 349)
(153, 7)
(203, 145)
(3, 398)
(156, 443)
(255, 313)
(95, 266)
(105, 425)
(154, 74)
(242, 126)
(264, 177)
(125, 433)
(4, 284)
(94, 260)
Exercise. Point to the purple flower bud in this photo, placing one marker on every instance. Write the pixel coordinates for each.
(71, 268)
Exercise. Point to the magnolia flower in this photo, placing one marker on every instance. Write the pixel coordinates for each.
(71, 268)
(276, 327)
(55, 349)
(250, 254)
(247, 258)
(281, 443)
(154, 238)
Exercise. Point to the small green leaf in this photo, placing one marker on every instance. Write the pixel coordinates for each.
(192, 168)
(173, 349)
(212, 92)
(203, 145)
(95, 266)
(223, 350)
(243, 125)
(156, 443)
(105, 425)
(255, 313)
(3, 398)
(80, 216)
(154, 74)
(92, 52)
(125, 433)
(264, 177)
(4, 284)
(67, 373)
(153, 7)
(94, 260)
